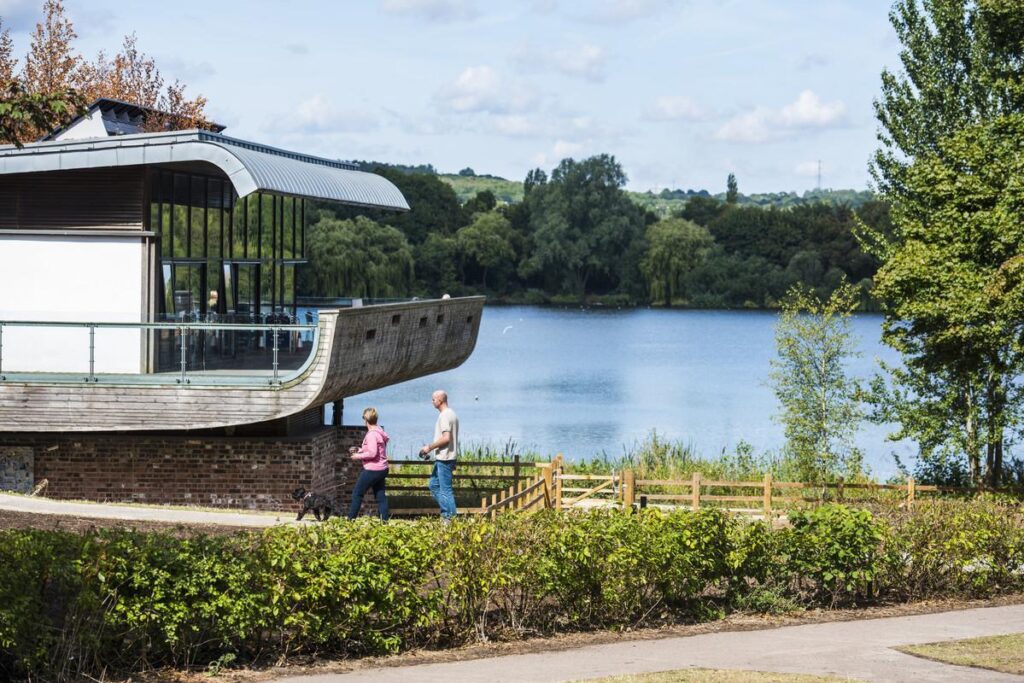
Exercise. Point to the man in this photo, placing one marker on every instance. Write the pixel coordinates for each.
(446, 447)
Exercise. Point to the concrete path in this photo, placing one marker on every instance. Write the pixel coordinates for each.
(860, 650)
(181, 515)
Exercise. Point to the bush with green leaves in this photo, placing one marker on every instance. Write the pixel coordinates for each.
(120, 601)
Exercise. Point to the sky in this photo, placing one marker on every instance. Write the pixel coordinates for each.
(681, 92)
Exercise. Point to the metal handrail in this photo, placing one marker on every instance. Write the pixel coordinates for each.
(182, 328)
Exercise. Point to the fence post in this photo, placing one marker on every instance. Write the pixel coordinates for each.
(546, 471)
(494, 506)
(558, 482)
(695, 491)
(483, 505)
(839, 489)
(911, 490)
(515, 469)
(768, 497)
(628, 489)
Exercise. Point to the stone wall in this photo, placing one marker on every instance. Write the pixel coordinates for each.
(257, 473)
(16, 467)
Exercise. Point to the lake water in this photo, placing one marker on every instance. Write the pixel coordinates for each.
(583, 382)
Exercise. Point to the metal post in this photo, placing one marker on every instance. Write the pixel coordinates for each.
(2, 352)
(92, 353)
(184, 360)
(275, 332)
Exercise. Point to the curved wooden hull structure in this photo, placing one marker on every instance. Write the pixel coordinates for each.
(358, 349)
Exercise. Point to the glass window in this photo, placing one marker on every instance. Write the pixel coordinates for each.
(267, 227)
(214, 218)
(197, 223)
(179, 218)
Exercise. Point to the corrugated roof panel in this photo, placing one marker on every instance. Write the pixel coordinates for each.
(249, 166)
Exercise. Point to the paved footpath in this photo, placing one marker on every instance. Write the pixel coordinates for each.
(179, 515)
(860, 650)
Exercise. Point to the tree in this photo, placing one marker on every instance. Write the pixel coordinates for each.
(675, 248)
(22, 113)
(7, 59)
(467, 172)
(52, 64)
(582, 224)
(434, 206)
(732, 192)
(486, 241)
(55, 80)
(963, 63)
(481, 202)
(953, 294)
(357, 257)
(534, 178)
(820, 406)
(960, 89)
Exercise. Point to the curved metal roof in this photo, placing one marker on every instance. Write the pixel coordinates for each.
(249, 166)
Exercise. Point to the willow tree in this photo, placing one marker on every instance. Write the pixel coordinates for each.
(945, 164)
(357, 257)
(675, 248)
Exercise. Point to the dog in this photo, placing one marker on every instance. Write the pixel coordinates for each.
(319, 504)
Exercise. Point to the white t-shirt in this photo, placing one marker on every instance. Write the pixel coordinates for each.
(447, 421)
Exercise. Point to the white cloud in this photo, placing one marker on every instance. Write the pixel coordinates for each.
(585, 61)
(763, 124)
(482, 89)
(432, 10)
(674, 108)
(808, 111)
(623, 11)
(579, 60)
(564, 148)
(317, 115)
(517, 125)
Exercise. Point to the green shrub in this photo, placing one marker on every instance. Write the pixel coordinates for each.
(836, 547)
(121, 602)
(951, 547)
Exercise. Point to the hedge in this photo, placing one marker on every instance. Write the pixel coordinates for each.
(123, 601)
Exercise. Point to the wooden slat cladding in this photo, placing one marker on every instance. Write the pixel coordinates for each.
(108, 198)
(344, 364)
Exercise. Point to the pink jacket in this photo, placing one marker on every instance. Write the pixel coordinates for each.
(374, 451)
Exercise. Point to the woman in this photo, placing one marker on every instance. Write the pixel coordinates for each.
(374, 456)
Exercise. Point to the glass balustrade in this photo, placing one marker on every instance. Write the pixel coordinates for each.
(188, 353)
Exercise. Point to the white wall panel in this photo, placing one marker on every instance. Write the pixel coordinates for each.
(81, 279)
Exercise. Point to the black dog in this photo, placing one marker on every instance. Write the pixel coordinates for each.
(313, 501)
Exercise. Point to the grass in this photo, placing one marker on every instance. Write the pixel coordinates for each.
(998, 653)
(716, 676)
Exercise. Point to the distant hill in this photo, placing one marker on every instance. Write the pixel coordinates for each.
(665, 202)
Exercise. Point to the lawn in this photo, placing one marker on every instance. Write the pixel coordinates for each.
(999, 653)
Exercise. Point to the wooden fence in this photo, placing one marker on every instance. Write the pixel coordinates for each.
(408, 494)
(526, 487)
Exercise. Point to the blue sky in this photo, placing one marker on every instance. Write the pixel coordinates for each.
(681, 92)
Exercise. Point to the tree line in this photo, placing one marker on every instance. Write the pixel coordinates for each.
(578, 236)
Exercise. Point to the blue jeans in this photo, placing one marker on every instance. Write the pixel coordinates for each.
(370, 479)
(440, 485)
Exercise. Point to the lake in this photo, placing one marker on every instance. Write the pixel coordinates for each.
(583, 382)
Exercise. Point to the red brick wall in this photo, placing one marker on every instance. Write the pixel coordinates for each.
(215, 471)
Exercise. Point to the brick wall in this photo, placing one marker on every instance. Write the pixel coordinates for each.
(217, 471)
